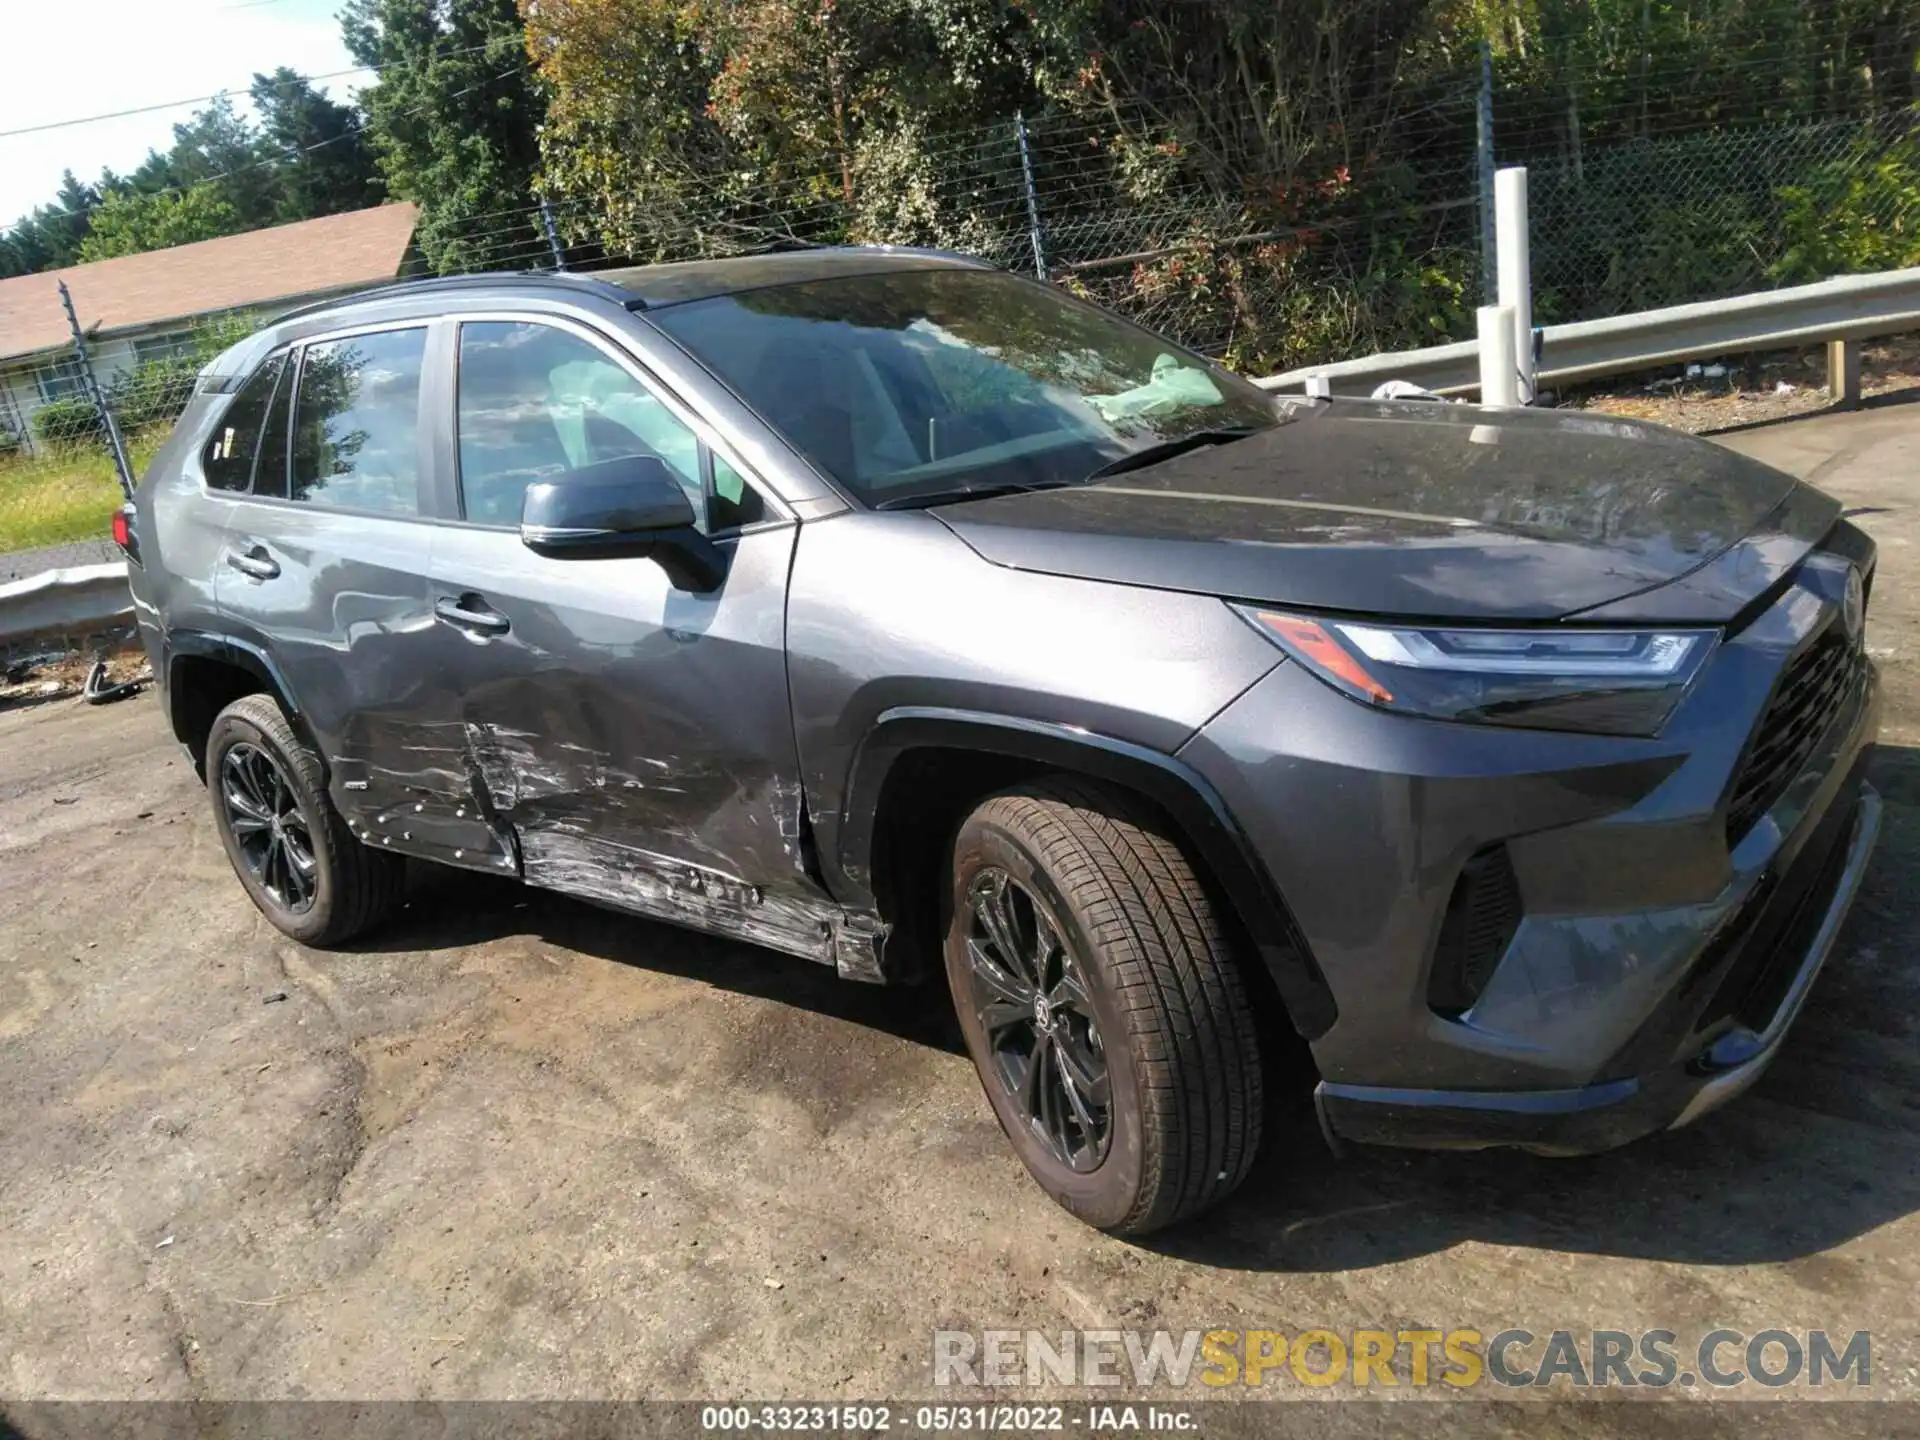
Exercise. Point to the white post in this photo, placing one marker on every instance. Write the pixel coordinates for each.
(1516, 268)
(1499, 375)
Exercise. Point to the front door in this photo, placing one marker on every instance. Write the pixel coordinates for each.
(635, 739)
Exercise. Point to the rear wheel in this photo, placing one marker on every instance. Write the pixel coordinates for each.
(1101, 1004)
(293, 852)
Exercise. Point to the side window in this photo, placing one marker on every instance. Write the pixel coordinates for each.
(270, 473)
(356, 422)
(535, 401)
(228, 458)
(732, 502)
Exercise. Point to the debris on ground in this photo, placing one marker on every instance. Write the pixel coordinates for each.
(104, 677)
(1746, 389)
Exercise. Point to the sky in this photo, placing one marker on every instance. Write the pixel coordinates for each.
(65, 59)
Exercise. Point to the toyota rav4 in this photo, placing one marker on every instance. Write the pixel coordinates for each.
(876, 605)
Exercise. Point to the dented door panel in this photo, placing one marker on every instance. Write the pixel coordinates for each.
(633, 741)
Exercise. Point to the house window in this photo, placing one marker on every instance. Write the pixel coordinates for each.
(56, 382)
(160, 347)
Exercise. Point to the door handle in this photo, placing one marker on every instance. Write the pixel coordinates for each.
(254, 563)
(469, 612)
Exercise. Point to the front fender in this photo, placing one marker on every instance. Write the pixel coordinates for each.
(1210, 833)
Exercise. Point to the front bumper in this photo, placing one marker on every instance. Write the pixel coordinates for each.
(1661, 957)
(1600, 1116)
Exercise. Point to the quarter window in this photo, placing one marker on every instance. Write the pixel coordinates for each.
(536, 401)
(356, 422)
(228, 459)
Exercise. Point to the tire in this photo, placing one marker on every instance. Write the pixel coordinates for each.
(1165, 1015)
(255, 764)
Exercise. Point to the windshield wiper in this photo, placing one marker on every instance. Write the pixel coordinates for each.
(923, 498)
(1167, 449)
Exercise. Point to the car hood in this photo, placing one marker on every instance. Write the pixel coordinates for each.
(1424, 510)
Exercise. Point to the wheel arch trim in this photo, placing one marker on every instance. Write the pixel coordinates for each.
(1195, 807)
(239, 654)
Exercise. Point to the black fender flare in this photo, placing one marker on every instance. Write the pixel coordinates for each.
(240, 654)
(1186, 796)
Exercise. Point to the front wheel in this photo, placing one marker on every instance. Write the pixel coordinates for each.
(1100, 1001)
(292, 850)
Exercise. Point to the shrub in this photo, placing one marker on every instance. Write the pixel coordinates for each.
(154, 392)
(68, 421)
(1855, 214)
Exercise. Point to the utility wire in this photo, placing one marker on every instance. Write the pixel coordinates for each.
(225, 94)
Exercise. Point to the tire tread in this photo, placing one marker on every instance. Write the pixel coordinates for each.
(367, 883)
(1171, 961)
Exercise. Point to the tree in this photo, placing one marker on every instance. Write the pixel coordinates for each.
(326, 164)
(50, 237)
(218, 146)
(689, 126)
(454, 120)
(129, 223)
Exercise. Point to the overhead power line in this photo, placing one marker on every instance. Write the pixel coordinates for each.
(218, 95)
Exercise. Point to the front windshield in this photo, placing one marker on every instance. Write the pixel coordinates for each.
(927, 383)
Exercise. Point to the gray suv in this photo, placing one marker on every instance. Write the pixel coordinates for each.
(869, 605)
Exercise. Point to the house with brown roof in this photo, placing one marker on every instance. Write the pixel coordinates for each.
(140, 307)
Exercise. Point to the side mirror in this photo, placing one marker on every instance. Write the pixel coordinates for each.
(627, 507)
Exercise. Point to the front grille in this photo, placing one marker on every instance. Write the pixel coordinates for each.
(1482, 915)
(1810, 694)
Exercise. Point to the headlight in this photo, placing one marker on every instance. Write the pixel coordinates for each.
(1611, 682)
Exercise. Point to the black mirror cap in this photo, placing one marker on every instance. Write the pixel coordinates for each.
(631, 497)
(629, 507)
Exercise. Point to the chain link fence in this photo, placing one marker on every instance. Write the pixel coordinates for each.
(1646, 224)
(1347, 256)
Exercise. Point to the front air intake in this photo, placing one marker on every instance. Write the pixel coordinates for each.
(1482, 915)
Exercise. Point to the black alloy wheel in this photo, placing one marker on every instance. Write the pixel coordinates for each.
(273, 837)
(1039, 1021)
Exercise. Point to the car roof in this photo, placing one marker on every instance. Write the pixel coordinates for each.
(637, 287)
(648, 287)
(658, 285)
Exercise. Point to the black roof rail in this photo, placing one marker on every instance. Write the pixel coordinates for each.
(436, 283)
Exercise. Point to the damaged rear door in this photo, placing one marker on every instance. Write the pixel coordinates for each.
(632, 739)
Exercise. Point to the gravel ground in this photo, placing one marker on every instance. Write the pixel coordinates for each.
(515, 1147)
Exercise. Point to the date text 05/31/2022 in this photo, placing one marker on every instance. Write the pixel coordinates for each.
(947, 1419)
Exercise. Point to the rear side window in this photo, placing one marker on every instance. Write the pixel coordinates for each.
(228, 459)
(356, 422)
(270, 474)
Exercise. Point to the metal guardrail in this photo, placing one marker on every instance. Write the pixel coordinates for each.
(1852, 307)
(77, 601)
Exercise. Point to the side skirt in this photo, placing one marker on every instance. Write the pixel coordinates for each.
(567, 860)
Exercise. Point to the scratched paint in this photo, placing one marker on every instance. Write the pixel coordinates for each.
(565, 858)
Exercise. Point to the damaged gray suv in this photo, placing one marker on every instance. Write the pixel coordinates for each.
(873, 606)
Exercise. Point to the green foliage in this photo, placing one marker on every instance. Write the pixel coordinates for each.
(1859, 213)
(69, 495)
(333, 168)
(453, 118)
(154, 392)
(67, 423)
(129, 223)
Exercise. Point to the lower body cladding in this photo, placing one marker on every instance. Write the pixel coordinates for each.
(1554, 941)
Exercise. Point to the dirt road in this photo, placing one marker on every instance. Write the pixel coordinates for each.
(517, 1147)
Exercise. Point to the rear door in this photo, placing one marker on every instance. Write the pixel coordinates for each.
(634, 737)
(323, 565)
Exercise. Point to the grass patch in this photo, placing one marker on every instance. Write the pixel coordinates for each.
(54, 499)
